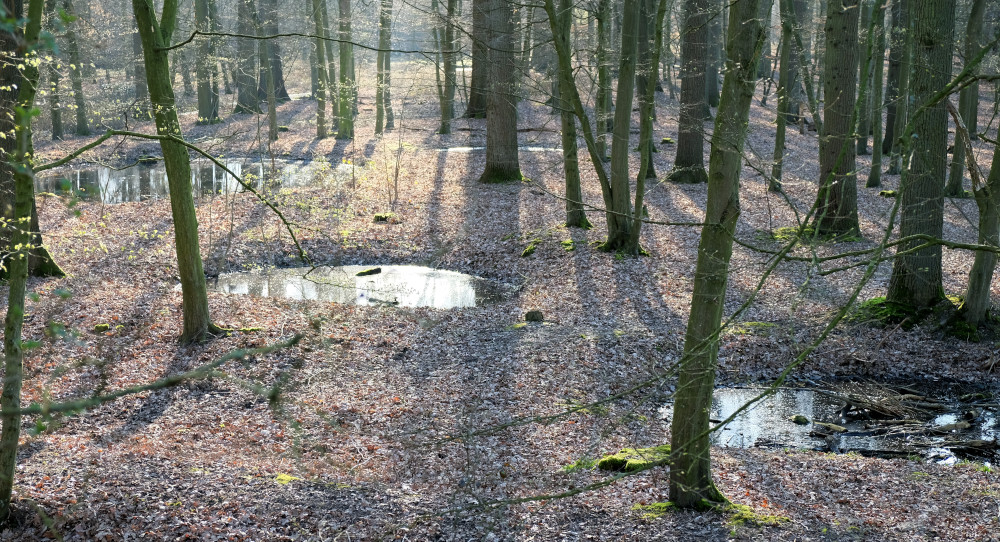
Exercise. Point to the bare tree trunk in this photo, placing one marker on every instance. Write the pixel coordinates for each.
(155, 36)
(208, 97)
(383, 103)
(691, 467)
(603, 103)
(268, 14)
(837, 200)
(689, 166)
(345, 123)
(448, 67)
(875, 174)
(916, 277)
(784, 81)
(476, 108)
(575, 216)
(322, 84)
(619, 213)
(502, 163)
(966, 105)
(247, 100)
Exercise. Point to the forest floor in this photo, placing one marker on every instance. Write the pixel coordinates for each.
(422, 424)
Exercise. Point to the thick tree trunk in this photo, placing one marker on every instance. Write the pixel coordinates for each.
(476, 108)
(916, 277)
(76, 75)
(502, 163)
(691, 468)
(155, 36)
(689, 166)
(331, 66)
(345, 106)
(247, 100)
(837, 200)
(973, 34)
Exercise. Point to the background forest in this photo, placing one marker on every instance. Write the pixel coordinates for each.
(493, 270)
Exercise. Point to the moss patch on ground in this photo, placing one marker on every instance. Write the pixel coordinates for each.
(738, 515)
(635, 459)
(882, 312)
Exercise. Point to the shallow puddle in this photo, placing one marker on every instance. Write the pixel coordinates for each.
(149, 181)
(936, 429)
(473, 149)
(396, 285)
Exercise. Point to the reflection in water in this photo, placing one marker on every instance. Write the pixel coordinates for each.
(145, 182)
(402, 285)
(767, 423)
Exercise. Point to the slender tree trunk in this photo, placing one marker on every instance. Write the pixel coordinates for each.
(897, 43)
(208, 97)
(575, 216)
(448, 67)
(476, 108)
(383, 105)
(973, 34)
(76, 74)
(603, 103)
(322, 85)
(645, 70)
(904, 91)
(916, 277)
(184, 57)
(691, 468)
(345, 123)
(502, 163)
(155, 36)
(247, 100)
(331, 66)
(864, 105)
(619, 214)
(837, 200)
(268, 13)
(975, 308)
(875, 174)
(689, 166)
(714, 52)
(784, 79)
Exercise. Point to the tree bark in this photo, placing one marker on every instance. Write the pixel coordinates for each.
(345, 122)
(603, 105)
(383, 100)
(875, 173)
(268, 13)
(575, 216)
(247, 100)
(837, 200)
(502, 163)
(448, 55)
(691, 469)
(321, 73)
(155, 37)
(689, 166)
(784, 80)
(619, 214)
(76, 75)
(966, 104)
(916, 277)
(476, 108)
(208, 96)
